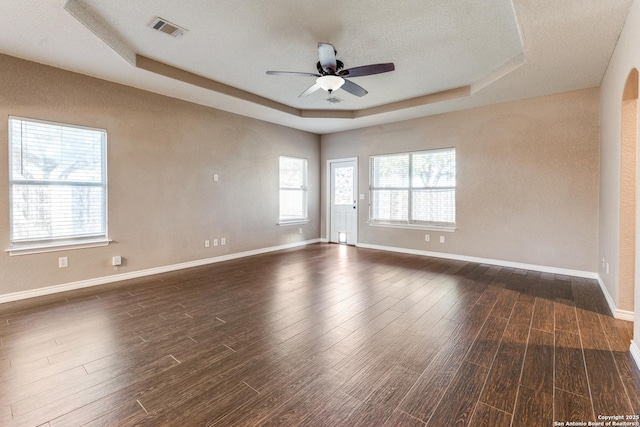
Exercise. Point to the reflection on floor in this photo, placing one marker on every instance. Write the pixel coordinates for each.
(323, 335)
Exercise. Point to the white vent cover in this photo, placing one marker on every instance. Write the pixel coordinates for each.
(167, 27)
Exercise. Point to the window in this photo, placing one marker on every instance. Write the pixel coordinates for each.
(416, 189)
(293, 189)
(57, 179)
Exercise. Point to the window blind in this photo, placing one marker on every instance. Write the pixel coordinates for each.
(414, 188)
(57, 181)
(293, 189)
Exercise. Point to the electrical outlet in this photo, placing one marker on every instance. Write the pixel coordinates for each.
(223, 241)
(300, 230)
(427, 238)
(215, 242)
(441, 239)
(207, 243)
(116, 261)
(215, 177)
(63, 262)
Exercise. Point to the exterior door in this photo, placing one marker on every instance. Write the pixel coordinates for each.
(344, 207)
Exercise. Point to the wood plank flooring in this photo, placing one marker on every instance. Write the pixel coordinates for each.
(325, 335)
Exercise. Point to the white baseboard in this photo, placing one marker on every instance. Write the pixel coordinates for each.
(635, 352)
(617, 313)
(142, 273)
(501, 263)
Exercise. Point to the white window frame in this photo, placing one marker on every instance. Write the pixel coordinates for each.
(408, 221)
(49, 243)
(283, 218)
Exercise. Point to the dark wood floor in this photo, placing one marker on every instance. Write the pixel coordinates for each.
(324, 335)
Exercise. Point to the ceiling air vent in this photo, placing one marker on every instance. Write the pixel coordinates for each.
(167, 27)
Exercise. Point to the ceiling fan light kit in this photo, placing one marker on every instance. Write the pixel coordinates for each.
(330, 83)
(331, 76)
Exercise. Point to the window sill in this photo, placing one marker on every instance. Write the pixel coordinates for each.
(293, 222)
(444, 229)
(55, 247)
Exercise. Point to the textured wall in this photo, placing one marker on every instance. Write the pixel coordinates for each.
(625, 58)
(527, 179)
(162, 154)
(628, 180)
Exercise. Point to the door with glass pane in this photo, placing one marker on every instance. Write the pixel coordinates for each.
(344, 207)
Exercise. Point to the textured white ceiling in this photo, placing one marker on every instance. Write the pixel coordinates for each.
(435, 45)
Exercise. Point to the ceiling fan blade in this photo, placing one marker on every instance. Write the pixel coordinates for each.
(292, 73)
(309, 91)
(353, 88)
(367, 70)
(327, 55)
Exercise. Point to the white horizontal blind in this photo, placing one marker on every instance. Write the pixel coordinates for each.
(390, 188)
(293, 189)
(57, 182)
(414, 188)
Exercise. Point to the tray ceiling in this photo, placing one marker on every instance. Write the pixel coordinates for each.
(449, 55)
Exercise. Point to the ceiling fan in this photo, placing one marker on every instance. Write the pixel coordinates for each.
(331, 75)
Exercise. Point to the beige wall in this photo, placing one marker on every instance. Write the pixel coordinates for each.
(527, 179)
(162, 154)
(625, 58)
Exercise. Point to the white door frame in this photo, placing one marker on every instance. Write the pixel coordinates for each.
(328, 196)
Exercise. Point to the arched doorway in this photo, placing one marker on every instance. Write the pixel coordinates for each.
(628, 194)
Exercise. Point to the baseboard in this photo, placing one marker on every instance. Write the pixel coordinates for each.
(16, 296)
(635, 352)
(501, 263)
(617, 313)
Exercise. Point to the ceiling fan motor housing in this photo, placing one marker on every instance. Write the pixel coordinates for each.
(339, 66)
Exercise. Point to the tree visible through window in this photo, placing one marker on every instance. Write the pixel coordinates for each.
(293, 189)
(414, 188)
(57, 178)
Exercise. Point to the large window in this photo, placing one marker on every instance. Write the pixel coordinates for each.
(293, 189)
(58, 185)
(417, 189)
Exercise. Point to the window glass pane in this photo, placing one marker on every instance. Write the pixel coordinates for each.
(390, 205)
(292, 204)
(434, 169)
(390, 171)
(44, 151)
(343, 186)
(437, 205)
(42, 212)
(292, 172)
(57, 181)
